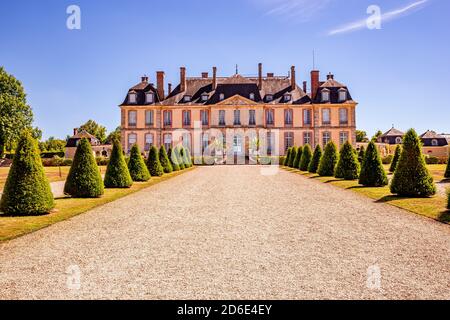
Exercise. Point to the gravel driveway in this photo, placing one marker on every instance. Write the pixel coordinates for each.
(229, 232)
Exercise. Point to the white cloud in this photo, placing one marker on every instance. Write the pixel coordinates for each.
(388, 16)
(301, 10)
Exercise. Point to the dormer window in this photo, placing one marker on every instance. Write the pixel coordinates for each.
(221, 96)
(149, 97)
(342, 95)
(398, 140)
(434, 143)
(287, 97)
(325, 95)
(204, 97)
(252, 96)
(187, 99)
(269, 97)
(132, 98)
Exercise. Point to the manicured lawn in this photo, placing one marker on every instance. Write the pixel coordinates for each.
(436, 170)
(12, 227)
(433, 207)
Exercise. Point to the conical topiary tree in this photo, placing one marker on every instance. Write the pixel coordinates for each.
(136, 165)
(173, 160)
(294, 152)
(448, 199)
(398, 152)
(27, 190)
(361, 154)
(348, 165)
(179, 156)
(164, 160)
(447, 171)
(411, 177)
(328, 162)
(314, 164)
(306, 158)
(84, 179)
(298, 157)
(117, 174)
(186, 157)
(372, 171)
(153, 164)
(288, 156)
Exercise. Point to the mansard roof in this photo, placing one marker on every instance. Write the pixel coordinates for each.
(393, 133)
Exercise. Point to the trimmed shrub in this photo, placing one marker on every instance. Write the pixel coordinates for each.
(348, 165)
(84, 179)
(102, 161)
(361, 154)
(315, 161)
(298, 157)
(398, 152)
(372, 171)
(179, 157)
(281, 160)
(306, 158)
(411, 177)
(431, 160)
(27, 190)
(153, 164)
(447, 171)
(288, 157)
(136, 166)
(173, 160)
(448, 199)
(186, 157)
(388, 159)
(117, 174)
(328, 162)
(292, 157)
(164, 160)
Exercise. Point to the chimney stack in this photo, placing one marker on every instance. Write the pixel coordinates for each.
(182, 79)
(293, 84)
(315, 74)
(305, 86)
(75, 131)
(160, 84)
(169, 88)
(214, 83)
(205, 75)
(260, 76)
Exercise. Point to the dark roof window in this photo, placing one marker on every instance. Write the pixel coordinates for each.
(325, 95)
(269, 97)
(149, 97)
(252, 96)
(204, 97)
(287, 97)
(187, 98)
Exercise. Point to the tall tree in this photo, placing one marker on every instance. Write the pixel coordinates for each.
(398, 152)
(361, 154)
(114, 135)
(95, 129)
(377, 135)
(15, 114)
(361, 136)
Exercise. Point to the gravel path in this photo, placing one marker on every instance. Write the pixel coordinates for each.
(229, 232)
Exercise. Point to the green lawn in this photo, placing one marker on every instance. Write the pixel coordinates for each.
(434, 207)
(12, 227)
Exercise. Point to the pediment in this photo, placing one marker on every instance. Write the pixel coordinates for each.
(237, 100)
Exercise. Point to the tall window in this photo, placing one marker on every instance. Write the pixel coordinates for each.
(343, 116)
(270, 117)
(205, 141)
(132, 118)
(326, 118)
(343, 137)
(326, 137)
(148, 141)
(132, 139)
(288, 140)
(307, 138)
(269, 142)
(288, 117)
(204, 115)
(307, 117)
(149, 118)
(251, 118)
(186, 118)
(237, 117)
(325, 95)
(149, 97)
(167, 141)
(221, 117)
(132, 98)
(187, 140)
(167, 118)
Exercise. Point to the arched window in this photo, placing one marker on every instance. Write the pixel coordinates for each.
(148, 141)
(398, 140)
(434, 143)
(168, 141)
(132, 139)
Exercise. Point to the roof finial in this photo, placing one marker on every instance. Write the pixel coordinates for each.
(237, 71)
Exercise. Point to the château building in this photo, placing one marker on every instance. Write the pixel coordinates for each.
(283, 113)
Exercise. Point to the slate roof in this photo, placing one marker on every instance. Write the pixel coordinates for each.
(72, 141)
(393, 133)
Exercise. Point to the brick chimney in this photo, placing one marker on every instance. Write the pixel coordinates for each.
(182, 79)
(305, 86)
(315, 74)
(75, 131)
(260, 76)
(293, 84)
(214, 83)
(160, 84)
(169, 87)
(205, 75)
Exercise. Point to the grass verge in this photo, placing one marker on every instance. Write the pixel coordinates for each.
(66, 208)
(433, 207)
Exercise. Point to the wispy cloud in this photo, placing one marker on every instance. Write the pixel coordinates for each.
(388, 16)
(301, 10)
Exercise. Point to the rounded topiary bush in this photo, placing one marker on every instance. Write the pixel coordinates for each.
(447, 171)
(292, 157)
(288, 157)
(84, 179)
(314, 164)
(348, 165)
(398, 152)
(117, 174)
(173, 159)
(298, 157)
(136, 165)
(164, 160)
(27, 190)
(361, 154)
(411, 177)
(306, 158)
(372, 171)
(328, 162)
(153, 164)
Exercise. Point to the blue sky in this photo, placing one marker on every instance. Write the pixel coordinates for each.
(398, 73)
